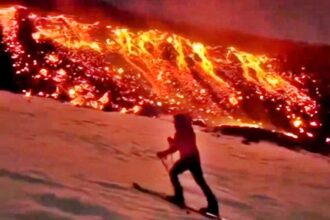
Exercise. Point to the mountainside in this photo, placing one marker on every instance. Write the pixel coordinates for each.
(62, 162)
(111, 67)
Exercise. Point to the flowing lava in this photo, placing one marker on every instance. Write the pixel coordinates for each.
(114, 68)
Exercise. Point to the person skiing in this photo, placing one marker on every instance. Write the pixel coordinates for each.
(184, 141)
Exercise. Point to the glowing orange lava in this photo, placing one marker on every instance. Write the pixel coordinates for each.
(114, 67)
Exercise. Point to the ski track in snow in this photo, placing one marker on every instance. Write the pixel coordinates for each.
(62, 162)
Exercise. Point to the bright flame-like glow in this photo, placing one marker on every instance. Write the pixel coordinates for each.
(107, 66)
(297, 122)
(291, 135)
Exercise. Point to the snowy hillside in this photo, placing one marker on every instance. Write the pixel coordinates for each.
(62, 162)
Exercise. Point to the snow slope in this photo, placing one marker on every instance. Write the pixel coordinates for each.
(62, 162)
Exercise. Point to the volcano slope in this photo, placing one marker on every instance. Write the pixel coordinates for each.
(63, 162)
(114, 68)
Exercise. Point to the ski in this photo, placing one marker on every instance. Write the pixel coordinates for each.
(163, 196)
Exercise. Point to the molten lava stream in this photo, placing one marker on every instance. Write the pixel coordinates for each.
(127, 71)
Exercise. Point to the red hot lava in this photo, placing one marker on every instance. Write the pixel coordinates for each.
(115, 68)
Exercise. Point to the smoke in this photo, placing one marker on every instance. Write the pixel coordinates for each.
(300, 20)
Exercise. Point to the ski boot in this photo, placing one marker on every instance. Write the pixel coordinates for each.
(177, 200)
(212, 211)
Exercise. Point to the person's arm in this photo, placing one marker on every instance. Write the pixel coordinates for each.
(172, 149)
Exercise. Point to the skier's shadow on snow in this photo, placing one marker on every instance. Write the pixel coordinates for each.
(74, 206)
(28, 178)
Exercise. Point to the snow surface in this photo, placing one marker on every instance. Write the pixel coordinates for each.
(62, 162)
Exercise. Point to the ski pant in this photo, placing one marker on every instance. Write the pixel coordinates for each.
(191, 163)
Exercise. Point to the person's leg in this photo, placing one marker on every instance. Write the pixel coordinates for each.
(179, 167)
(197, 174)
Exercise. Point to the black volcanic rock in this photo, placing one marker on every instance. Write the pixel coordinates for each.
(7, 76)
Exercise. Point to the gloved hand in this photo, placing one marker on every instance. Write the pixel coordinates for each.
(161, 154)
(170, 140)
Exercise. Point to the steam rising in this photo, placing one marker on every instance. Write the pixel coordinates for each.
(302, 20)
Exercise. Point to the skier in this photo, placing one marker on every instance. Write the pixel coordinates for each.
(185, 141)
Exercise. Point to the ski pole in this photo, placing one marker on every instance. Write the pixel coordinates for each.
(164, 164)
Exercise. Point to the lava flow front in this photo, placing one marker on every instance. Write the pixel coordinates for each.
(114, 68)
